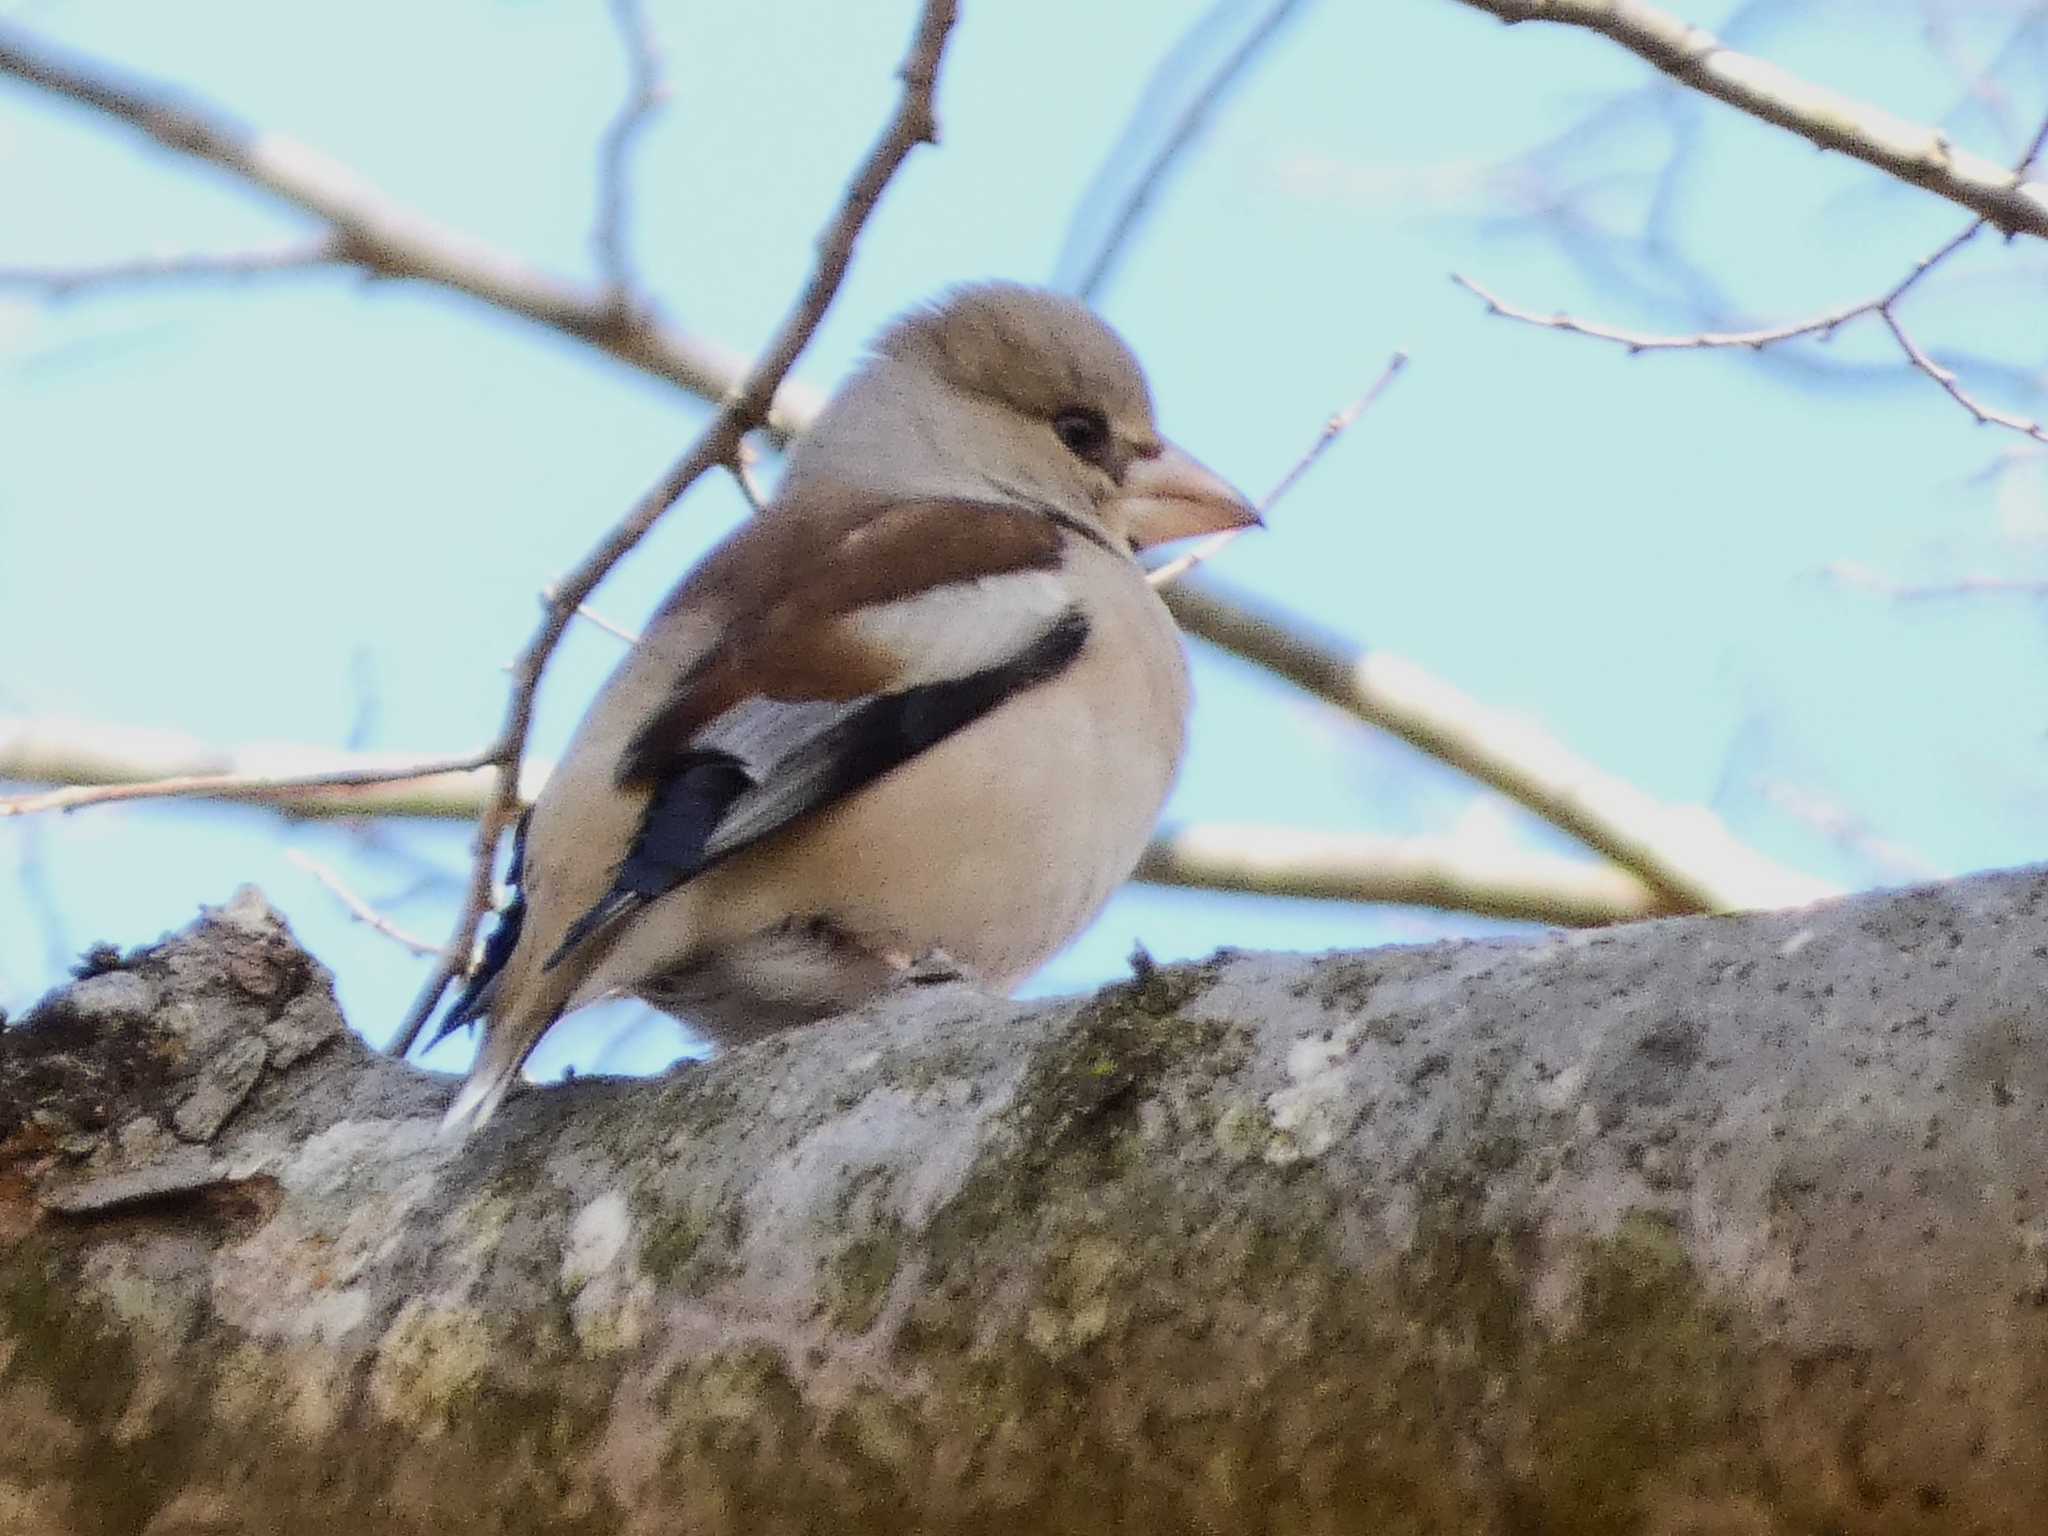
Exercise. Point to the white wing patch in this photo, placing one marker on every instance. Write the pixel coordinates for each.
(964, 627)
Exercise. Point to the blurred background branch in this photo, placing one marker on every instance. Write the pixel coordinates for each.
(645, 96)
(1173, 108)
(1685, 855)
(1915, 153)
(104, 763)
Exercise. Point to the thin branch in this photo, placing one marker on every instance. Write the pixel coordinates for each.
(1333, 429)
(1911, 152)
(331, 791)
(386, 239)
(360, 909)
(1983, 414)
(550, 596)
(645, 97)
(1684, 854)
(115, 762)
(1184, 131)
(1412, 872)
(742, 467)
(1454, 875)
(911, 124)
(188, 266)
(1821, 326)
(83, 754)
(2035, 145)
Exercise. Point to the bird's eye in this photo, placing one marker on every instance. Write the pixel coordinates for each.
(1085, 433)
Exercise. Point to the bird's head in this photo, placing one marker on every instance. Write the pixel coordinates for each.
(1003, 392)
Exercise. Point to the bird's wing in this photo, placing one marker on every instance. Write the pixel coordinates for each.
(874, 648)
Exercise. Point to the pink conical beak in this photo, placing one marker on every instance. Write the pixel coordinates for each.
(1174, 496)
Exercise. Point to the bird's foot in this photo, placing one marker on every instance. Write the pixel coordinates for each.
(927, 969)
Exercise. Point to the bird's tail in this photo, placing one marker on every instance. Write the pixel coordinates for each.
(519, 1016)
(478, 1098)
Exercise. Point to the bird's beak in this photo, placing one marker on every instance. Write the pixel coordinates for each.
(1173, 496)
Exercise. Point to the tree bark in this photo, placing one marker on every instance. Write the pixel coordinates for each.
(1706, 1226)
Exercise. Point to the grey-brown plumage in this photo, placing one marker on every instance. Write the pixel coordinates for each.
(924, 703)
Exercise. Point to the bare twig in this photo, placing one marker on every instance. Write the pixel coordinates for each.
(1415, 872)
(551, 596)
(1684, 854)
(386, 239)
(79, 754)
(2025, 165)
(1911, 152)
(358, 908)
(1452, 874)
(188, 266)
(742, 467)
(644, 97)
(911, 124)
(1983, 414)
(1184, 130)
(1822, 326)
(271, 788)
(1333, 429)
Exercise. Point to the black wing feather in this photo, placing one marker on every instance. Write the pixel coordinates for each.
(684, 811)
(504, 938)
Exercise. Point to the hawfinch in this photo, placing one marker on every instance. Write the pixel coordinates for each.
(923, 708)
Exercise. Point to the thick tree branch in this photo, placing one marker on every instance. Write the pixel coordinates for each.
(1912, 152)
(1686, 855)
(1723, 1226)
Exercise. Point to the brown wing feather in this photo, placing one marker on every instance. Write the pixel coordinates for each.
(794, 641)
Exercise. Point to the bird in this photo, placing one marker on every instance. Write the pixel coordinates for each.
(915, 718)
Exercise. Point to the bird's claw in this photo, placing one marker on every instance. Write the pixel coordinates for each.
(928, 969)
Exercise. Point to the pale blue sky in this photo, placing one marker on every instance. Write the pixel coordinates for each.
(243, 512)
